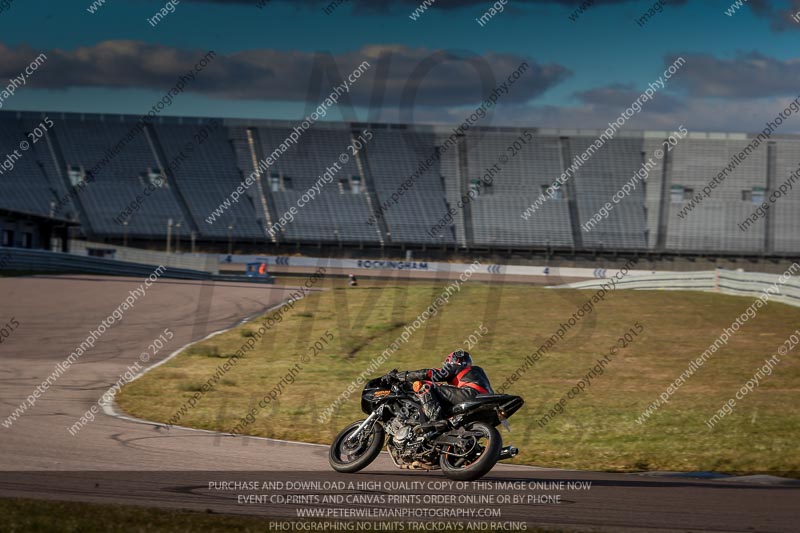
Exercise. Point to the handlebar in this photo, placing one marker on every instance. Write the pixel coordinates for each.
(389, 378)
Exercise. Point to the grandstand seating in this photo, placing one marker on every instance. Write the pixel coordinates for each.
(25, 187)
(207, 173)
(786, 212)
(596, 182)
(514, 185)
(118, 174)
(339, 212)
(653, 192)
(449, 167)
(199, 177)
(712, 227)
(395, 157)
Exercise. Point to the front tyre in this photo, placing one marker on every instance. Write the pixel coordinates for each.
(475, 456)
(351, 457)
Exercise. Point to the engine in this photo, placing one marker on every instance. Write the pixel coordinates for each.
(408, 450)
(399, 427)
(399, 430)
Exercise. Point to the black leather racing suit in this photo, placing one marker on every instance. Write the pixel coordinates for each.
(464, 382)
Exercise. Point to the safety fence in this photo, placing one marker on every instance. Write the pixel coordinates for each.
(733, 282)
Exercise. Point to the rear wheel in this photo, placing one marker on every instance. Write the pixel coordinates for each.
(349, 457)
(474, 456)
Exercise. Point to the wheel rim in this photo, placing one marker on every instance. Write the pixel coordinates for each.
(470, 453)
(347, 452)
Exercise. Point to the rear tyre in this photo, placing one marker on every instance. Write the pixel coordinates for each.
(351, 457)
(483, 453)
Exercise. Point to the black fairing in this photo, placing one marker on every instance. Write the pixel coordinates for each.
(486, 406)
(369, 402)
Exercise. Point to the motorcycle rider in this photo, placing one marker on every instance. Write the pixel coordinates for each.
(464, 382)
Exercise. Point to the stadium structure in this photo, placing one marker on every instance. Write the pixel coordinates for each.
(115, 178)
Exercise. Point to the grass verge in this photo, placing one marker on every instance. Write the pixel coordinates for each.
(598, 428)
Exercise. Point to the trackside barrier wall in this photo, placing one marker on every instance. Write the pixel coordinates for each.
(730, 282)
(423, 266)
(47, 261)
(204, 262)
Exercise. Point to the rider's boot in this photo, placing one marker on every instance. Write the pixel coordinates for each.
(430, 407)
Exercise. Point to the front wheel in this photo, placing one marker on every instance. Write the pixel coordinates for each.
(349, 457)
(474, 456)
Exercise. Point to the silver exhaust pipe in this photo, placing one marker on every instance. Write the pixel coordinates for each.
(507, 452)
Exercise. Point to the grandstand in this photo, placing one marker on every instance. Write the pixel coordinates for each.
(119, 181)
(29, 187)
(495, 214)
(339, 212)
(713, 228)
(393, 156)
(597, 181)
(204, 174)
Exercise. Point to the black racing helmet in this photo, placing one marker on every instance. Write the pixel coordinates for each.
(458, 357)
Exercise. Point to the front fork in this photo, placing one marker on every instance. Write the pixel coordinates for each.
(356, 435)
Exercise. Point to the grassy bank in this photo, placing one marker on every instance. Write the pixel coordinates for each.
(598, 428)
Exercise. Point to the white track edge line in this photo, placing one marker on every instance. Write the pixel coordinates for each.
(110, 408)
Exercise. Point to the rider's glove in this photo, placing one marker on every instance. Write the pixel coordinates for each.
(391, 376)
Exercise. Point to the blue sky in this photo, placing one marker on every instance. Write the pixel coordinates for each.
(741, 70)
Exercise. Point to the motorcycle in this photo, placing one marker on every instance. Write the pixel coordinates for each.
(465, 445)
